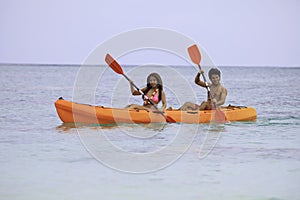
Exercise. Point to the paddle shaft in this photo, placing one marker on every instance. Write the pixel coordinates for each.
(208, 89)
(196, 58)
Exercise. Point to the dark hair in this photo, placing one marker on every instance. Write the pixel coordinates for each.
(159, 84)
(214, 71)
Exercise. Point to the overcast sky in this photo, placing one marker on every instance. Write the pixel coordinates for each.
(234, 32)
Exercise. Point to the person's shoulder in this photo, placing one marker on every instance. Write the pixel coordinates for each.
(223, 88)
(144, 89)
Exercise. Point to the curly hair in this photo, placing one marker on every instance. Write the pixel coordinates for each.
(214, 71)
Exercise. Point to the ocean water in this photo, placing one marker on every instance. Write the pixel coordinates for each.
(42, 158)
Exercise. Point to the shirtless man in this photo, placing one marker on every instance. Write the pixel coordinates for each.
(218, 92)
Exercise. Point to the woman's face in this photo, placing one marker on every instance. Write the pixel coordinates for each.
(153, 81)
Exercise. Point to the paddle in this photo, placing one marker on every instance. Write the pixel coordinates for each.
(118, 69)
(196, 58)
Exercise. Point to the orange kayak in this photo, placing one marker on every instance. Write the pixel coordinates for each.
(70, 112)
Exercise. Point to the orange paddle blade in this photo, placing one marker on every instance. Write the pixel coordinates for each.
(194, 54)
(113, 64)
(170, 119)
(220, 116)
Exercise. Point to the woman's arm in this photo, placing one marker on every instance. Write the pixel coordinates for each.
(163, 100)
(134, 91)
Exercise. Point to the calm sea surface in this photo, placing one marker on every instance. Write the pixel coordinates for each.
(41, 158)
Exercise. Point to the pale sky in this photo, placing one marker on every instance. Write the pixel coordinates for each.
(233, 32)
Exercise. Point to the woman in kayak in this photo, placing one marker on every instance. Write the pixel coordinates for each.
(218, 92)
(153, 90)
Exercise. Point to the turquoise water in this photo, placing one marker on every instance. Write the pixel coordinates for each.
(41, 158)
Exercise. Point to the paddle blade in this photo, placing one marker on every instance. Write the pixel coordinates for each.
(219, 116)
(170, 119)
(194, 54)
(113, 64)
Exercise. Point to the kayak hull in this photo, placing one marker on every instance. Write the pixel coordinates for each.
(70, 112)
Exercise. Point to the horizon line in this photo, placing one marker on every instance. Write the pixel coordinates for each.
(180, 65)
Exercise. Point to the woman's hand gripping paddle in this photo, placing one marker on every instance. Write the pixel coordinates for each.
(196, 58)
(118, 69)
